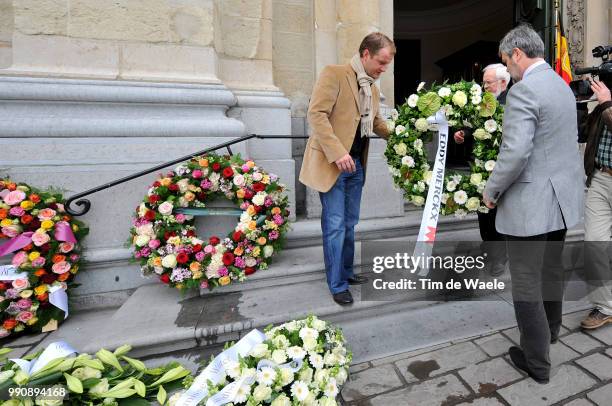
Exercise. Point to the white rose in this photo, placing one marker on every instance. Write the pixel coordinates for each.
(489, 165)
(490, 126)
(476, 100)
(169, 261)
(421, 86)
(291, 326)
(142, 240)
(250, 261)
(257, 176)
(268, 251)
(310, 343)
(421, 125)
(399, 129)
(451, 186)
(390, 126)
(460, 197)
(165, 208)
(145, 229)
(408, 161)
(183, 185)
(281, 400)
(481, 134)
(418, 200)
(325, 401)
(341, 376)
(279, 356)
(259, 198)
(460, 98)
(427, 176)
(318, 324)
(306, 375)
(475, 179)
(473, 204)
(239, 180)
(260, 351)
(296, 352)
(418, 144)
(287, 376)
(400, 149)
(413, 100)
(394, 114)
(444, 92)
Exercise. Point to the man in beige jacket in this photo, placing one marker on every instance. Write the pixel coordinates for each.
(343, 113)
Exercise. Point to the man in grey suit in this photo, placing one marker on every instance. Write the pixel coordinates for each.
(537, 187)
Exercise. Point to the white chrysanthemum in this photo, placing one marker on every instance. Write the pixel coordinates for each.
(489, 165)
(418, 144)
(399, 129)
(299, 390)
(296, 352)
(408, 161)
(444, 92)
(451, 186)
(331, 389)
(232, 368)
(476, 89)
(460, 213)
(490, 126)
(316, 361)
(394, 114)
(400, 149)
(476, 100)
(420, 86)
(413, 100)
(266, 376)
(460, 98)
(421, 125)
(481, 134)
(473, 204)
(460, 197)
(421, 186)
(242, 394)
(475, 179)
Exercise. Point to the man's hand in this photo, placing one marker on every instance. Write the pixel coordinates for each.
(488, 202)
(346, 164)
(459, 137)
(601, 91)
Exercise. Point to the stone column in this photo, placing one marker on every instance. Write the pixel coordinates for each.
(599, 27)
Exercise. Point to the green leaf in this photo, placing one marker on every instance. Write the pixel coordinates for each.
(74, 384)
(161, 395)
(429, 103)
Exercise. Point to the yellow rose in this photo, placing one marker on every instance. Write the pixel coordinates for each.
(194, 266)
(39, 290)
(6, 222)
(224, 281)
(256, 251)
(266, 179)
(32, 321)
(157, 261)
(203, 163)
(27, 205)
(251, 210)
(197, 274)
(240, 194)
(26, 293)
(261, 241)
(252, 225)
(165, 181)
(47, 224)
(33, 255)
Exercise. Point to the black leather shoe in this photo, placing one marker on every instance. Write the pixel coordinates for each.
(554, 340)
(357, 280)
(518, 358)
(343, 298)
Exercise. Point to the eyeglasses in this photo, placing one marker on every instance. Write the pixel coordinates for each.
(490, 82)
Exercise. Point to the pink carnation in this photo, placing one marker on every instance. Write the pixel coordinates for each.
(200, 256)
(14, 197)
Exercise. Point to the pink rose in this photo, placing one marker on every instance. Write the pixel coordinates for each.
(74, 257)
(61, 267)
(11, 231)
(66, 247)
(180, 218)
(40, 238)
(21, 284)
(196, 174)
(16, 211)
(153, 244)
(46, 214)
(24, 316)
(24, 304)
(60, 207)
(14, 197)
(208, 249)
(165, 208)
(19, 258)
(38, 262)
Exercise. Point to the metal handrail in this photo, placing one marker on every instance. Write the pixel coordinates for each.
(85, 204)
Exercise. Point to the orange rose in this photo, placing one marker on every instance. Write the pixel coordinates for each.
(9, 324)
(66, 218)
(261, 241)
(40, 272)
(43, 297)
(58, 258)
(34, 198)
(239, 251)
(276, 210)
(11, 186)
(194, 266)
(240, 193)
(3, 213)
(203, 162)
(63, 277)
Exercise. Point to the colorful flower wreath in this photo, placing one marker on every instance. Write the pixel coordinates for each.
(164, 237)
(43, 241)
(465, 106)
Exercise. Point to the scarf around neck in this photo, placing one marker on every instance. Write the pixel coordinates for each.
(365, 96)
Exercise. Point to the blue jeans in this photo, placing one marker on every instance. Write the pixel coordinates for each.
(340, 214)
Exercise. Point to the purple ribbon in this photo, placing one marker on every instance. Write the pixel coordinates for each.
(63, 232)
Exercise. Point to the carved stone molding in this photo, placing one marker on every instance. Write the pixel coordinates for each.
(575, 31)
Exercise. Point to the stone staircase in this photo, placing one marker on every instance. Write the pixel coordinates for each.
(157, 320)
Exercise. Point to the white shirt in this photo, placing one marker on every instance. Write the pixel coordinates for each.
(532, 67)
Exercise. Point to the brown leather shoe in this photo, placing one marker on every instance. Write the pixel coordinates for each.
(595, 319)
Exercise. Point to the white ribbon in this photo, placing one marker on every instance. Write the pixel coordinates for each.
(431, 212)
(215, 371)
(53, 351)
(9, 273)
(59, 298)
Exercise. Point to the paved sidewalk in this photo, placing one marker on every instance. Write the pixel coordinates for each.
(477, 371)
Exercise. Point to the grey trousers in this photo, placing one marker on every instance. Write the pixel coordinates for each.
(537, 274)
(598, 241)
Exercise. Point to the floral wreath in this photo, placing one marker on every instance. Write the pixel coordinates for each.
(164, 238)
(465, 106)
(43, 240)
